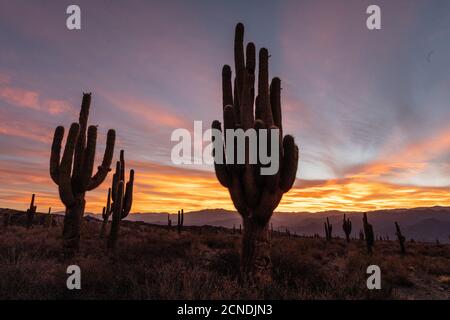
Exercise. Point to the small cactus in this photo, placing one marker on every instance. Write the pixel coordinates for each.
(328, 229)
(368, 234)
(180, 220)
(31, 212)
(122, 199)
(400, 237)
(347, 226)
(361, 235)
(106, 213)
(169, 221)
(48, 218)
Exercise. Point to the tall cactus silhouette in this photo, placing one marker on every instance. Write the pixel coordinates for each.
(347, 227)
(73, 173)
(255, 196)
(106, 213)
(122, 202)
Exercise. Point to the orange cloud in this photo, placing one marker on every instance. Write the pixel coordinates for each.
(164, 188)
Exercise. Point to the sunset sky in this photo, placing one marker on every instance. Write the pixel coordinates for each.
(370, 110)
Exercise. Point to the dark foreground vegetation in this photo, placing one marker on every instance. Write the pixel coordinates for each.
(157, 262)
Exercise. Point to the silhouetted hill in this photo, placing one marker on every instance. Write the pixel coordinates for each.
(422, 224)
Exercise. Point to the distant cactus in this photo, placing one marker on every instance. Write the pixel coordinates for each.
(401, 239)
(106, 213)
(180, 220)
(368, 234)
(328, 229)
(31, 212)
(255, 196)
(48, 219)
(347, 226)
(122, 202)
(361, 235)
(169, 221)
(288, 233)
(75, 180)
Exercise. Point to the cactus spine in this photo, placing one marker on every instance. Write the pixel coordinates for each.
(368, 234)
(328, 229)
(347, 226)
(400, 237)
(122, 197)
(255, 196)
(31, 212)
(105, 215)
(180, 220)
(75, 179)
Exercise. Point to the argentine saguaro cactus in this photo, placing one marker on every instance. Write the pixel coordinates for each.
(48, 218)
(75, 179)
(347, 226)
(31, 211)
(180, 220)
(255, 196)
(328, 229)
(368, 234)
(122, 199)
(401, 239)
(106, 212)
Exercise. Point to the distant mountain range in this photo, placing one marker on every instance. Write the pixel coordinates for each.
(420, 224)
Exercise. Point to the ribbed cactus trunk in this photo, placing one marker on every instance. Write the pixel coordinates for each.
(254, 195)
(72, 227)
(255, 258)
(73, 172)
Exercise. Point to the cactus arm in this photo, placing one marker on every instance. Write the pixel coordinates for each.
(56, 153)
(108, 202)
(239, 58)
(122, 165)
(220, 168)
(275, 103)
(105, 167)
(115, 182)
(227, 91)
(289, 163)
(80, 147)
(263, 88)
(65, 181)
(89, 157)
(104, 215)
(128, 198)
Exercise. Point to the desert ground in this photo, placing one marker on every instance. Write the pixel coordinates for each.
(156, 262)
